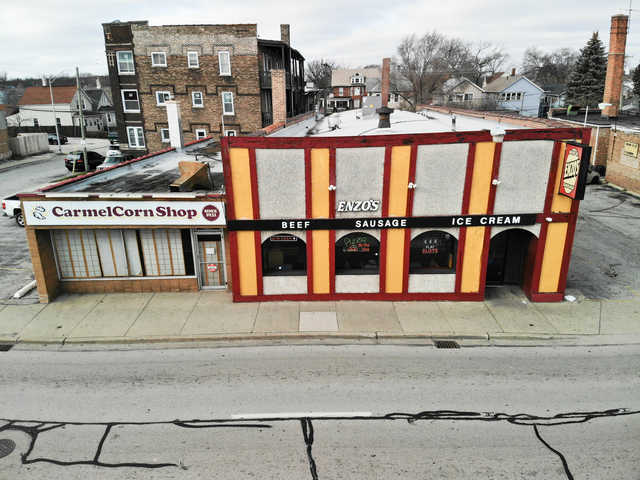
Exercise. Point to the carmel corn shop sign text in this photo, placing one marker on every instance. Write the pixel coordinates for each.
(78, 213)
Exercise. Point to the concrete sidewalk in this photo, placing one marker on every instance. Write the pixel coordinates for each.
(506, 317)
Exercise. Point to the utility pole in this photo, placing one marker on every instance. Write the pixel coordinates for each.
(84, 142)
(55, 119)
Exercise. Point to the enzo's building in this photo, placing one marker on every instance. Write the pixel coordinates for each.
(402, 217)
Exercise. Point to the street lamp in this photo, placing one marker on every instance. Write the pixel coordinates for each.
(53, 107)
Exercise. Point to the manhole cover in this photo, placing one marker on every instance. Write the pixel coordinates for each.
(5, 347)
(6, 447)
(446, 344)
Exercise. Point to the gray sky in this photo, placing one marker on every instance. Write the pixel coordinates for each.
(46, 37)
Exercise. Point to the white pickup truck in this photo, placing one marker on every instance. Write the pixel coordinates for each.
(12, 209)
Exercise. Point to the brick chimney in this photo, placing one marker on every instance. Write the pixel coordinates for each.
(175, 124)
(285, 36)
(615, 64)
(386, 71)
(513, 72)
(279, 95)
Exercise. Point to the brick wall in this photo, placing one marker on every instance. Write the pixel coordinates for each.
(44, 264)
(514, 119)
(622, 170)
(181, 81)
(278, 96)
(615, 64)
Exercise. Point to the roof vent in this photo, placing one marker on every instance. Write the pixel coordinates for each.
(384, 113)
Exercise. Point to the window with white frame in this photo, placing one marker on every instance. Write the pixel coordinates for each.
(162, 97)
(201, 133)
(356, 90)
(197, 99)
(58, 121)
(125, 63)
(511, 96)
(136, 137)
(36, 122)
(341, 91)
(227, 103)
(192, 60)
(123, 253)
(394, 97)
(164, 135)
(225, 63)
(230, 133)
(130, 101)
(158, 59)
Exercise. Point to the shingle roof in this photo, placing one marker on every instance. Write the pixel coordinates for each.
(342, 77)
(504, 82)
(42, 96)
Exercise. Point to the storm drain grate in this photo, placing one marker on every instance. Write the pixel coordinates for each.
(446, 344)
(6, 447)
(5, 347)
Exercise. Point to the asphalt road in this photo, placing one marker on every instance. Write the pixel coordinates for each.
(16, 270)
(346, 412)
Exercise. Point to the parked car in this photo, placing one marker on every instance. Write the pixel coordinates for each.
(53, 139)
(112, 160)
(94, 159)
(12, 209)
(113, 137)
(593, 176)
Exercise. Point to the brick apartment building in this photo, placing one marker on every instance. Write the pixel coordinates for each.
(227, 80)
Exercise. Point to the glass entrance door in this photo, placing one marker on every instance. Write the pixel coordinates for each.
(211, 268)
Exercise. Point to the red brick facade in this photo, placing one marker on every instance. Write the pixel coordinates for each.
(615, 64)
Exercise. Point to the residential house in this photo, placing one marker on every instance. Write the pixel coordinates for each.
(516, 93)
(349, 86)
(555, 95)
(461, 93)
(227, 80)
(5, 151)
(101, 103)
(36, 109)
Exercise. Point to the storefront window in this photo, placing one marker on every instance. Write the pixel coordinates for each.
(123, 253)
(357, 254)
(433, 252)
(284, 254)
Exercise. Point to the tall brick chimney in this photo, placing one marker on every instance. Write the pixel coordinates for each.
(386, 72)
(279, 95)
(285, 36)
(615, 64)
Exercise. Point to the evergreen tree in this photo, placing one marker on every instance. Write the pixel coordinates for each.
(636, 81)
(586, 82)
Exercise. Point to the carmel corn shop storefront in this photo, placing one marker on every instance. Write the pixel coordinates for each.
(436, 216)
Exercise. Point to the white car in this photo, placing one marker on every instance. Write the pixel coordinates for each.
(12, 209)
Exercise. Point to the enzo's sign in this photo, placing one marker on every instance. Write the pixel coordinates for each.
(575, 170)
(79, 213)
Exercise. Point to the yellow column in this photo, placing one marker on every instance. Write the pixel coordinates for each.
(478, 204)
(398, 194)
(320, 208)
(556, 237)
(243, 203)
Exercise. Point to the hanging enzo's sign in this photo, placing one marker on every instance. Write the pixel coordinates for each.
(574, 170)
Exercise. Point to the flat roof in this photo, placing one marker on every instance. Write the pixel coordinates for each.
(151, 174)
(353, 124)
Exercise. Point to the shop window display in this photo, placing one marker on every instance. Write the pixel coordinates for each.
(433, 252)
(284, 254)
(357, 254)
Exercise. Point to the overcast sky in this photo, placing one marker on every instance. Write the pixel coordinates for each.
(45, 37)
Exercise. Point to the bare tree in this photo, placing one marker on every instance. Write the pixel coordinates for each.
(319, 70)
(427, 62)
(544, 68)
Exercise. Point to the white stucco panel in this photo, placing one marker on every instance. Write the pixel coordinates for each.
(284, 285)
(440, 176)
(357, 283)
(523, 176)
(359, 177)
(281, 183)
(424, 283)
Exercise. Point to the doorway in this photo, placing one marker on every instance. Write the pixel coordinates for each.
(511, 258)
(210, 259)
